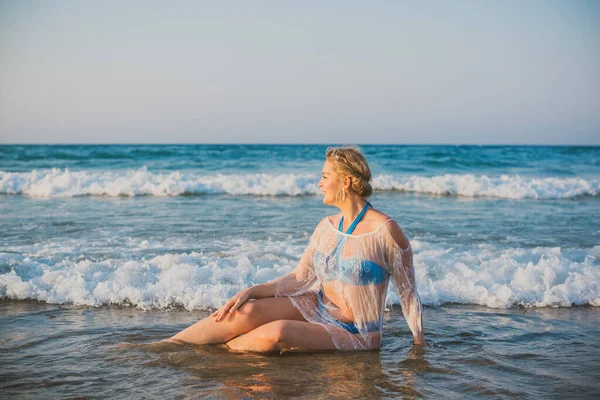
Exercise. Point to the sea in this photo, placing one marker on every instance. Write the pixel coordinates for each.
(107, 248)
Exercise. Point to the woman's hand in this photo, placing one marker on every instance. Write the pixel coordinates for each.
(232, 304)
(419, 340)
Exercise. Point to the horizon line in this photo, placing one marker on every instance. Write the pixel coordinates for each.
(304, 144)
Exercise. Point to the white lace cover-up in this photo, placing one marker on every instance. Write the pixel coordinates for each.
(341, 283)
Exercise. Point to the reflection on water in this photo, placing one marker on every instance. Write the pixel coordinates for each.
(222, 373)
(53, 351)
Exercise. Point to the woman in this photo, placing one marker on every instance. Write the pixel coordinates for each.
(335, 297)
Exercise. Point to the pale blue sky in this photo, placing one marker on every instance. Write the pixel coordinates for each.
(449, 72)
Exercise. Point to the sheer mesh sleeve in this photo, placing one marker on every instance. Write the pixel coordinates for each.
(303, 277)
(300, 279)
(403, 278)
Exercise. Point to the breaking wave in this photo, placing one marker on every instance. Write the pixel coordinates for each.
(66, 183)
(485, 275)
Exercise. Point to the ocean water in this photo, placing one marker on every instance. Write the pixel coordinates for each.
(131, 243)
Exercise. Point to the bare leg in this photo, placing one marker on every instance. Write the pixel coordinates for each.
(284, 335)
(249, 316)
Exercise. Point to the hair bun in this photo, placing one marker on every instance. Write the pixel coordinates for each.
(349, 161)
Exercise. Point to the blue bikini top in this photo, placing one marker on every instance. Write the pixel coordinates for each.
(351, 270)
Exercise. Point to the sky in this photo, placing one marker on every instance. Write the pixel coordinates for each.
(393, 72)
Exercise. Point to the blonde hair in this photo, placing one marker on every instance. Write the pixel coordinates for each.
(349, 161)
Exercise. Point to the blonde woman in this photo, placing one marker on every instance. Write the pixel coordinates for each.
(335, 297)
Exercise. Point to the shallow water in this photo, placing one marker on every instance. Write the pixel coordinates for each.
(198, 251)
(102, 245)
(51, 351)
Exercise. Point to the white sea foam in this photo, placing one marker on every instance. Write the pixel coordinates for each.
(484, 275)
(505, 186)
(503, 278)
(141, 182)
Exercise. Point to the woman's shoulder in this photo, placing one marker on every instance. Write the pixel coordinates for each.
(392, 227)
(373, 218)
(377, 216)
(332, 220)
(376, 221)
(323, 225)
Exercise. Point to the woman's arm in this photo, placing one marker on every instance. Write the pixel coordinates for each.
(253, 292)
(403, 275)
(294, 283)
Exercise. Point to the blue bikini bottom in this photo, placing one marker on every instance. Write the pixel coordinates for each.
(372, 326)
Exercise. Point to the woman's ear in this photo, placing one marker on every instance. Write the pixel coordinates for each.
(347, 182)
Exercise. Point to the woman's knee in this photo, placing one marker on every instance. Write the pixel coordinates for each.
(249, 310)
(278, 331)
(264, 311)
(252, 313)
(268, 337)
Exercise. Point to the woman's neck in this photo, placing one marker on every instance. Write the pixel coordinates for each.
(350, 209)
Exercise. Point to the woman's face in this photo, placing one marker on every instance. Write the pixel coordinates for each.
(330, 184)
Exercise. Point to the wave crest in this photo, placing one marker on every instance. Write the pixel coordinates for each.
(497, 278)
(505, 186)
(65, 183)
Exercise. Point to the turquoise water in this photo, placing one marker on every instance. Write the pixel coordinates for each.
(534, 161)
(491, 225)
(501, 236)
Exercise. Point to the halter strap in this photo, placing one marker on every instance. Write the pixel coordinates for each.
(356, 220)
